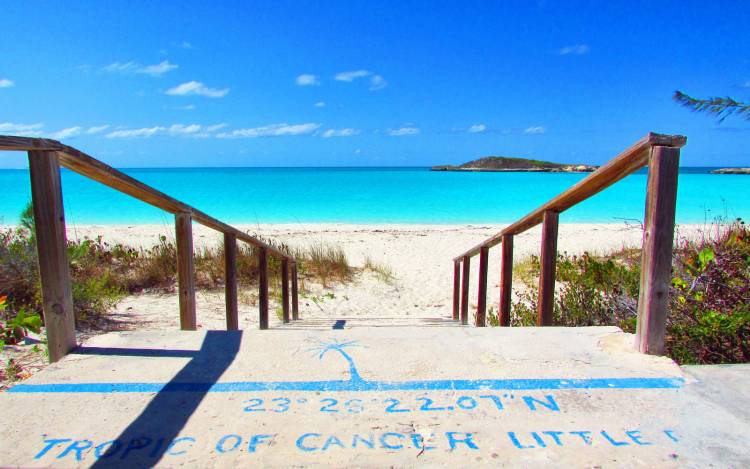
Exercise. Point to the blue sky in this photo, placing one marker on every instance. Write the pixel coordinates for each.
(293, 83)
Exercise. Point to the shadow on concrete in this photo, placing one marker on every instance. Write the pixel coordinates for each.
(155, 431)
(135, 352)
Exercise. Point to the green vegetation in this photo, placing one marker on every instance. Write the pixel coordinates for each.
(383, 272)
(709, 309)
(507, 163)
(102, 274)
(719, 107)
(323, 262)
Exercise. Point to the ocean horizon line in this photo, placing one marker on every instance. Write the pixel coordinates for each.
(375, 195)
(129, 168)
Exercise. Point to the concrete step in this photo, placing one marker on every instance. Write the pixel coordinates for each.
(375, 397)
(345, 322)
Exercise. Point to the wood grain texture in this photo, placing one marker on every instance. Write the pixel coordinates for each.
(295, 293)
(456, 289)
(548, 262)
(230, 281)
(262, 289)
(481, 316)
(13, 143)
(622, 165)
(506, 280)
(656, 260)
(49, 222)
(285, 290)
(465, 290)
(185, 271)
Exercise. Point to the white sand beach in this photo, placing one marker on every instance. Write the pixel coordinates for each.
(420, 256)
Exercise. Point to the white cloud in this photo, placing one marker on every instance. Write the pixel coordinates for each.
(744, 85)
(197, 88)
(377, 82)
(66, 133)
(403, 131)
(274, 130)
(352, 75)
(156, 70)
(179, 129)
(145, 132)
(534, 130)
(348, 132)
(186, 45)
(6, 83)
(578, 49)
(22, 130)
(97, 129)
(187, 107)
(124, 67)
(174, 130)
(307, 80)
(215, 127)
(320, 104)
(477, 128)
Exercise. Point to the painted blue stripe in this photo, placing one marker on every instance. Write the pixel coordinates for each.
(358, 385)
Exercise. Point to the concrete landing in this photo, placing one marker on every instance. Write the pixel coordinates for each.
(375, 397)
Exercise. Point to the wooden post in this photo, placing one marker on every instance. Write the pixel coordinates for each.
(465, 290)
(548, 261)
(185, 270)
(230, 281)
(656, 260)
(484, 254)
(456, 289)
(52, 245)
(263, 288)
(285, 289)
(295, 293)
(506, 280)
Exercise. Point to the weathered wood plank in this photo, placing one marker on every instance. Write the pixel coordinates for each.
(548, 262)
(622, 165)
(656, 261)
(263, 288)
(285, 290)
(185, 270)
(295, 293)
(230, 281)
(481, 318)
(456, 289)
(465, 290)
(51, 242)
(506, 280)
(13, 143)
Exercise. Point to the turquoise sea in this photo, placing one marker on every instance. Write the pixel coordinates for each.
(374, 195)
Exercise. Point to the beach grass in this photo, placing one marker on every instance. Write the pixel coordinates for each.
(382, 271)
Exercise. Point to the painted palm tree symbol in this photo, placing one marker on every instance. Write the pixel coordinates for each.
(339, 347)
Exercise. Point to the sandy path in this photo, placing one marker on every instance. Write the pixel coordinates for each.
(419, 255)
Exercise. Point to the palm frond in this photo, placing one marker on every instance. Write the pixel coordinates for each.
(716, 106)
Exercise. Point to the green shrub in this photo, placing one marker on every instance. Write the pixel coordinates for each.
(709, 309)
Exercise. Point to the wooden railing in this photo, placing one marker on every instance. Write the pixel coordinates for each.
(45, 159)
(661, 153)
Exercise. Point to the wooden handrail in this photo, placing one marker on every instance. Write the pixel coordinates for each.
(624, 164)
(46, 157)
(81, 163)
(661, 153)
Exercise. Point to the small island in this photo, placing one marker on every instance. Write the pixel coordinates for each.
(731, 171)
(509, 164)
